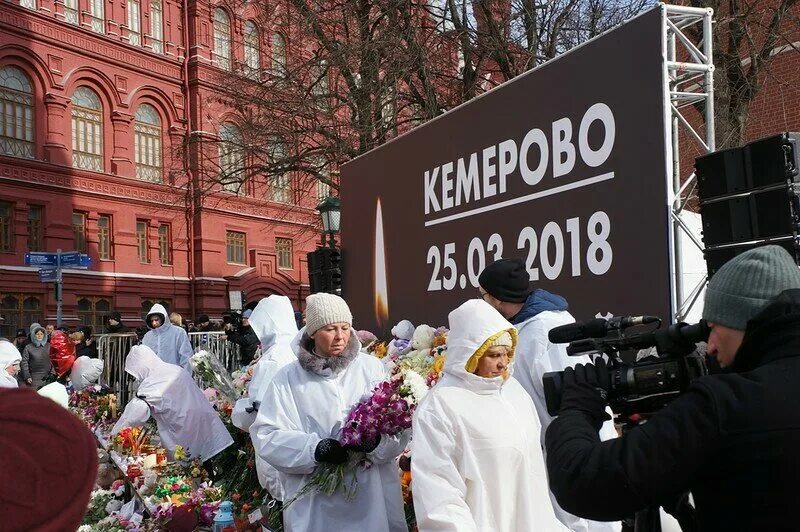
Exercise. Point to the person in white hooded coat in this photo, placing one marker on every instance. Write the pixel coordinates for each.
(10, 359)
(505, 285)
(169, 342)
(308, 401)
(476, 462)
(274, 324)
(182, 413)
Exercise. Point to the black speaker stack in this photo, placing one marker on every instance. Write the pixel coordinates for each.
(325, 270)
(750, 197)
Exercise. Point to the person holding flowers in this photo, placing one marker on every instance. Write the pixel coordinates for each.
(299, 424)
(477, 463)
(183, 414)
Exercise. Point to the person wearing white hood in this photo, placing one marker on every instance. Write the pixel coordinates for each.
(183, 414)
(169, 342)
(476, 461)
(273, 322)
(10, 359)
(302, 411)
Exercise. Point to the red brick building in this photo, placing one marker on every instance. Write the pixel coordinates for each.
(98, 109)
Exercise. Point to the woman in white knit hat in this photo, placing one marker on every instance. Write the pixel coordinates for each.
(477, 463)
(300, 417)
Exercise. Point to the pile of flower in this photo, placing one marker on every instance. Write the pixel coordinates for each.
(96, 406)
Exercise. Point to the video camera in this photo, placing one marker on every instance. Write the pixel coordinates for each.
(643, 386)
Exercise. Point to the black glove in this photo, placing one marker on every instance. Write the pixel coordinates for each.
(366, 446)
(585, 388)
(330, 451)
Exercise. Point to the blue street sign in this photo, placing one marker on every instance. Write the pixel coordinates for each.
(48, 275)
(73, 259)
(43, 260)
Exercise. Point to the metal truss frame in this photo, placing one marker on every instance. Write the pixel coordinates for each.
(689, 81)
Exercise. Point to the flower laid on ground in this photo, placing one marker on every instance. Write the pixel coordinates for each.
(96, 406)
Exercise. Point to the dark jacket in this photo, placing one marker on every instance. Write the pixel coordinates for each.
(89, 350)
(732, 439)
(246, 338)
(119, 328)
(539, 301)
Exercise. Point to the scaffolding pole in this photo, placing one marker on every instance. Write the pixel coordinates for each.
(689, 80)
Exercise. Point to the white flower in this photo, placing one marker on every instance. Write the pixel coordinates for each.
(415, 384)
(85, 528)
(201, 357)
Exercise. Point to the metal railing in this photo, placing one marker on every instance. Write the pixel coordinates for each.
(113, 348)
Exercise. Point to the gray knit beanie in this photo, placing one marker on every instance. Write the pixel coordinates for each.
(323, 309)
(745, 284)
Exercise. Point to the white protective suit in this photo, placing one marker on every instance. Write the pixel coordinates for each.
(308, 402)
(9, 355)
(169, 342)
(85, 371)
(476, 462)
(273, 322)
(536, 356)
(183, 414)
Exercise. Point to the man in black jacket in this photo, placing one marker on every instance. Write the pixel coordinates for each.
(245, 337)
(731, 439)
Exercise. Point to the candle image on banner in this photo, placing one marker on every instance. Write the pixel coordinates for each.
(379, 271)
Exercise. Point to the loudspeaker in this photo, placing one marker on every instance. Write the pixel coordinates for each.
(324, 270)
(749, 197)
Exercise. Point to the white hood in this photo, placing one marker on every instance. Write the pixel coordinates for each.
(158, 308)
(8, 357)
(57, 392)
(471, 326)
(273, 321)
(85, 371)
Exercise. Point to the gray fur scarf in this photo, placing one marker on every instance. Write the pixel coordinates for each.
(326, 366)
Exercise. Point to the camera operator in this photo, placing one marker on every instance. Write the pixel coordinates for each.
(243, 335)
(731, 439)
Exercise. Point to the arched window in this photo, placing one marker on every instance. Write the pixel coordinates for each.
(16, 113)
(147, 144)
(87, 130)
(222, 39)
(231, 159)
(252, 54)
(278, 56)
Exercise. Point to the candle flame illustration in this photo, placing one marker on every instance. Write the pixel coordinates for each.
(379, 271)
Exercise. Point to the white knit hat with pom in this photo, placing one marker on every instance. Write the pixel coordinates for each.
(323, 309)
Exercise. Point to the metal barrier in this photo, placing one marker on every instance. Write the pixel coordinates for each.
(215, 342)
(113, 348)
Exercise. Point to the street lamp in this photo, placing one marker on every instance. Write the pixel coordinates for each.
(330, 213)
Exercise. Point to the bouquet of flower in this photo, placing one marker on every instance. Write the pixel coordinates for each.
(207, 366)
(385, 413)
(130, 439)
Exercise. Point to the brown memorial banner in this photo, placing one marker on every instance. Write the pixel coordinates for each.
(563, 167)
